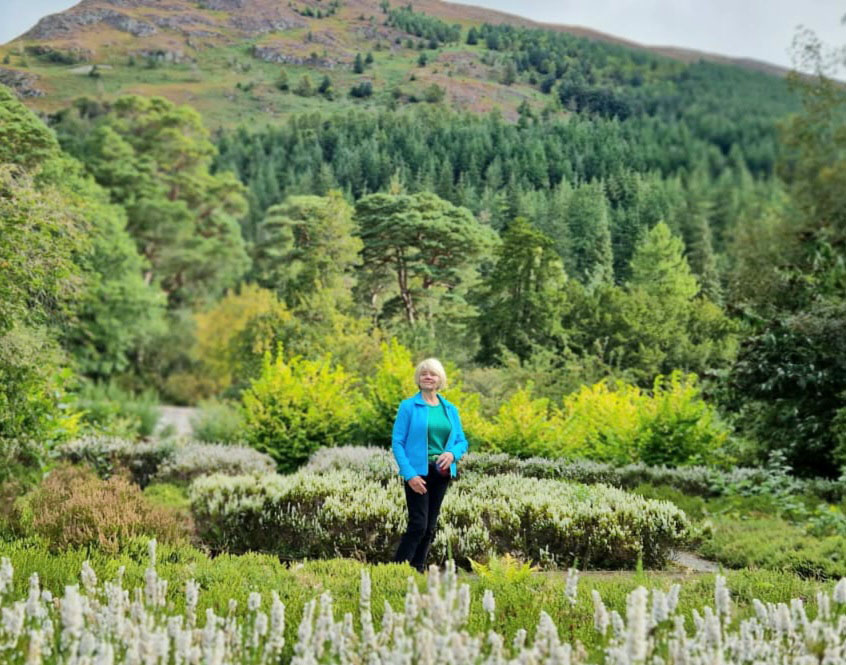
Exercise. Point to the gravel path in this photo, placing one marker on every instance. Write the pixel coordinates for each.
(693, 562)
(179, 417)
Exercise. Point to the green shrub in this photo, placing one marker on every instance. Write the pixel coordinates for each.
(74, 508)
(773, 543)
(297, 406)
(109, 409)
(622, 424)
(341, 513)
(524, 426)
(218, 422)
(392, 383)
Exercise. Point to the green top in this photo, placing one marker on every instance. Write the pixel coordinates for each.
(439, 429)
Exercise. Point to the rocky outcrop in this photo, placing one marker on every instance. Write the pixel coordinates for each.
(67, 23)
(23, 83)
(258, 25)
(222, 5)
(272, 54)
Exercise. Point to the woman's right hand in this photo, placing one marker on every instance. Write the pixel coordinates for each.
(417, 484)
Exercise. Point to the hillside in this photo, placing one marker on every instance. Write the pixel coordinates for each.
(225, 57)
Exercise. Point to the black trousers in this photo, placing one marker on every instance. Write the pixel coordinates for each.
(423, 510)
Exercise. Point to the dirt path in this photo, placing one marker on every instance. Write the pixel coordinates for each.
(693, 562)
(177, 417)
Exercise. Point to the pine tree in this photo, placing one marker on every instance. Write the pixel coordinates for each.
(358, 65)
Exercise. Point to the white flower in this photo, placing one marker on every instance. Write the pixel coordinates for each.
(636, 623)
(36, 642)
(7, 574)
(253, 601)
(73, 621)
(840, 592)
(722, 598)
(89, 578)
(600, 614)
(151, 549)
(571, 588)
(488, 603)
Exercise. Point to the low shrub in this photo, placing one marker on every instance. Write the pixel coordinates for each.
(109, 409)
(773, 543)
(74, 508)
(218, 422)
(199, 459)
(163, 460)
(296, 406)
(693, 480)
(340, 513)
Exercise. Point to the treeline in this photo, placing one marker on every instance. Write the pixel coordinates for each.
(435, 31)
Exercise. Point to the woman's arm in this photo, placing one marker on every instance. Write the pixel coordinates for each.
(459, 446)
(398, 439)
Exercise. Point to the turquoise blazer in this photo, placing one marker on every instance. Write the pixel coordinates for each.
(410, 438)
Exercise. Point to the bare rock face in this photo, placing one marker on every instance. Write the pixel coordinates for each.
(23, 83)
(273, 54)
(222, 5)
(66, 24)
(259, 25)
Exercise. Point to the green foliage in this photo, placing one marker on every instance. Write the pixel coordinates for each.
(218, 422)
(421, 25)
(304, 245)
(426, 246)
(434, 94)
(24, 140)
(383, 391)
(154, 159)
(524, 426)
(231, 337)
(505, 570)
(305, 88)
(107, 408)
(362, 90)
(672, 426)
(296, 406)
(522, 297)
(747, 543)
(787, 386)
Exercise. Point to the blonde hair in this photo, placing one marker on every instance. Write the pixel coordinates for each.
(433, 365)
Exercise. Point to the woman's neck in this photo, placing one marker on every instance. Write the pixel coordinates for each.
(430, 396)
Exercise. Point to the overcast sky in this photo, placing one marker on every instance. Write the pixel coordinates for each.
(761, 29)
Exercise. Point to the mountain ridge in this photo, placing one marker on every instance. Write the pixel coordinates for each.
(439, 8)
(231, 58)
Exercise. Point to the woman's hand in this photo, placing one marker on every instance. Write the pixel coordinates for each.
(417, 484)
(444, 460)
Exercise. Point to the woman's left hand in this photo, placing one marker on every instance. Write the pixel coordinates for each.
(444, 460)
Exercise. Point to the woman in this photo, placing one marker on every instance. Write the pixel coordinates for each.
(427, 442)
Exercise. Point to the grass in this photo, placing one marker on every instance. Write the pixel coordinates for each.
(753, 532)
(209, 85)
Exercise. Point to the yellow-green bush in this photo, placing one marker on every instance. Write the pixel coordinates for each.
(524, 426)
(296, 406)
(218, 329)
(392, 383)
(621, 423)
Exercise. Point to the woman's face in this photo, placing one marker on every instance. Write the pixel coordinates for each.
(429, 380)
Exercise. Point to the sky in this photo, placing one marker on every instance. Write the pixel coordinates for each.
(760, 29)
